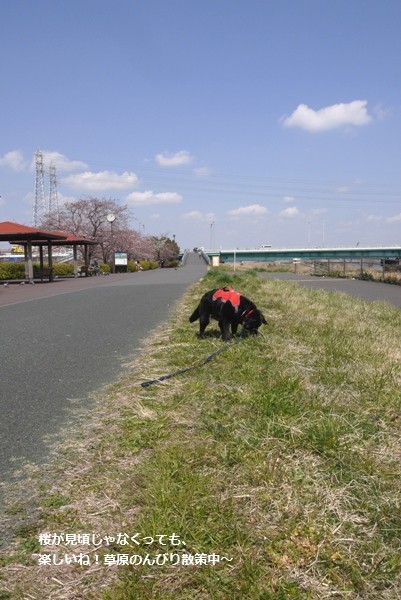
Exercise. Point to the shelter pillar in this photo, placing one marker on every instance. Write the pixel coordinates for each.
(29, 261)
(75, 259)
(50, 259)
(41, 257)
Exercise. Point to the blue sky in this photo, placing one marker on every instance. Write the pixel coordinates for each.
(236, 123)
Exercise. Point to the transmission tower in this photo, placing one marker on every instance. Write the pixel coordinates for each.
(53, 198)
(39, 207)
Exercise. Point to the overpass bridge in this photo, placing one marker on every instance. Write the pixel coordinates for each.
(309, 254)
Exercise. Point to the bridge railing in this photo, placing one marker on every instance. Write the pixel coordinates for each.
(205, 257)
(184, 257)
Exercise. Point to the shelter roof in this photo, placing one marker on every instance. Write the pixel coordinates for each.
(13, 232)
(70, 239)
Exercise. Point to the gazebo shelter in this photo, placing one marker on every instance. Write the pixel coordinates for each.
(69, 239)
(15, 233)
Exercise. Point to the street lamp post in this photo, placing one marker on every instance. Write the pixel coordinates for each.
(111, 218)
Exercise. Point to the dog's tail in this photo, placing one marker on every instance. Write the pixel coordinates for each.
(195, 315)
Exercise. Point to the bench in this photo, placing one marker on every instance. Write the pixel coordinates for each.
(85, 270)
(40, 273)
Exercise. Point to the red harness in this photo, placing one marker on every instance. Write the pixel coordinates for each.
(226, 294)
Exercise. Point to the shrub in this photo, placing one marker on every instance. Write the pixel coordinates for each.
(334, 274)
(104, 268)
(171, 264)
(12, 271)
(366, 276)
(392, 279)
(146, 265)
(149, 264)
(132, 266)
(63, 270)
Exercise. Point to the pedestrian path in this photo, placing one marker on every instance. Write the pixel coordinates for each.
(366, 290)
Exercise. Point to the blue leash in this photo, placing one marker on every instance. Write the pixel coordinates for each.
(208, 359)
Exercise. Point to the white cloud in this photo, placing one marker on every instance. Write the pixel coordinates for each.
(202, 172)
(394, 219)
(288, 199)
(174, 160)
(62, 198)
(196, 215)
(381, 112)
(318, 211)
(290, 212)
(330, 117)
(102, 180)
(61, 162)
(149, 197)
(14, 160)
(250, 210)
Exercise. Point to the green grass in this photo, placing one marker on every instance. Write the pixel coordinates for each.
(282, 455)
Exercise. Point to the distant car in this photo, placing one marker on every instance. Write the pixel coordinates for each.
(265, 246)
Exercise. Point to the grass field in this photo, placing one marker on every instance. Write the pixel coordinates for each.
(277, 463)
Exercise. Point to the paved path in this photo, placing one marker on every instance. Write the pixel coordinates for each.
(366, 290)
(61, 341)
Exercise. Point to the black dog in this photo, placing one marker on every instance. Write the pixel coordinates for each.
(229, 308)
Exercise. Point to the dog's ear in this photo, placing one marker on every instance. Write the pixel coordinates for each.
(263, 319)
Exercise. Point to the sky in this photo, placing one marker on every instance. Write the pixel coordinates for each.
(224, 123)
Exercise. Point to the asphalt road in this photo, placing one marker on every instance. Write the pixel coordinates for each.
(366, 290)
(62, 341)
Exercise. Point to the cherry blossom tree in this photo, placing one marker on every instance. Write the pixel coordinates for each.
(87, 218)
(166, 248)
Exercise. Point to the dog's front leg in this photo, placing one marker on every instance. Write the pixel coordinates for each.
(225, 330)
(234, 327)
